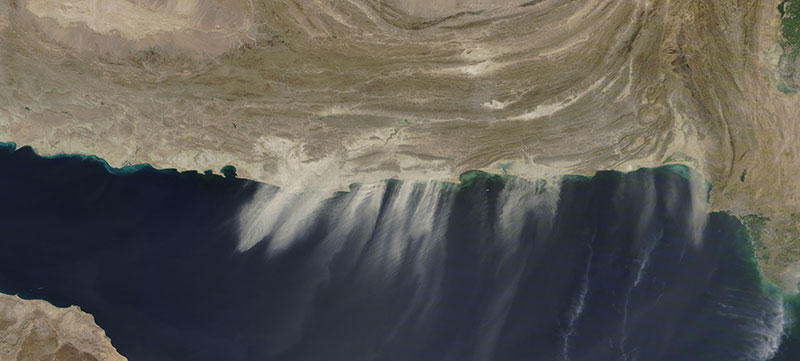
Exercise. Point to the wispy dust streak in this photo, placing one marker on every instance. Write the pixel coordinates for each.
(384, 232)
(698, 189)
(426, 231)
(642, 187)
(766, 327)
(519, 202)
(579, 303)
(259, 216)
(280, 214)
(301, 216)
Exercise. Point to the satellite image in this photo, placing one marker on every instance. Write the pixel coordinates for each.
(400, 180)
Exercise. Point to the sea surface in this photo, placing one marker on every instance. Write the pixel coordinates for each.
(189, 266)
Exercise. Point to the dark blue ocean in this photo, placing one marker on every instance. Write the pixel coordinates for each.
(188, 266)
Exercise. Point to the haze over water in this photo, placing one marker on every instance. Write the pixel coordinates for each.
(198, 267)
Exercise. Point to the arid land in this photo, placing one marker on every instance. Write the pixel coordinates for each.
(34, 330)
(320, 94)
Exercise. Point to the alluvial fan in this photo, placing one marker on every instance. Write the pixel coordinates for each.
(189, 267)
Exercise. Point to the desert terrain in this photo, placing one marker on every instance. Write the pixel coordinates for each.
(313, 94)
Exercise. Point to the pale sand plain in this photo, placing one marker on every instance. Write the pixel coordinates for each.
(313, 94)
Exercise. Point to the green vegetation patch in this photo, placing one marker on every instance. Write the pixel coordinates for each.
(505, 167)
(790, 43)
(754, 226)
(784, 89)
(790, 27)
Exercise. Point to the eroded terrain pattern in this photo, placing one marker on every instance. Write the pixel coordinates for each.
(33, 330)
(313, 93)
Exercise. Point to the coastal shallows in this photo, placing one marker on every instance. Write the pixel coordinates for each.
(184, 266)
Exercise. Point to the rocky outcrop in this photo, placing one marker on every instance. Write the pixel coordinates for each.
(34, 330)
(319, 94)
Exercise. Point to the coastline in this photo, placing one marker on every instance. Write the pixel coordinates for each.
(457, 181)
(38, 329)
(790, 300)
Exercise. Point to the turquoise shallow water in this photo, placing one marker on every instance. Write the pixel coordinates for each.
(186, 266)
